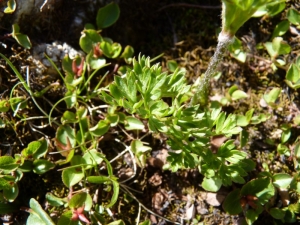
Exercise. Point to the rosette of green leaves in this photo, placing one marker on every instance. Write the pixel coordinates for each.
(237, 12)
(145, 90)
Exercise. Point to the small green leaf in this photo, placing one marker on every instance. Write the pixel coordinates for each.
(295, 208)
(95, 63)
(241, 121)
(98, 179)
(232, 203)
(283, 150)
(277, 47)
(111, 50)
(11, 6)
(113, 119)
(211, 184)
(22, 39)
(272, 96)
(286, 133)
(282, 180)
(274, 9)
(4, 105)
(115, 195)
(92, 158)
(280, 46)
(128, 54)
(54, 201)
(293, 74)
(277, 213)
(100, 129)
(72, 176)
(37, 215)
(244, 137)
(65, 139)
(281, 28)
(41, 166)
(88, 39)
(132, 123)
(297, 150)
(26, 166)
(8, 164)
(138, 147)
(66, 219)
(36, 149)
(259, 119)
(297, 120)
(252, 216)
(290, 216)
(159, 108)
(107, 15)
(68, 117)
(238, 94)
(172, 65)
(81, 199)
(67, 64)
(140, 150)
(293, 16)
(12, 193)
(42, 150)
(236, 50)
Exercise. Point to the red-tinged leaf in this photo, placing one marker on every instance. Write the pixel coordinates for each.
(74, 66)
(62, 148)
(97, 52)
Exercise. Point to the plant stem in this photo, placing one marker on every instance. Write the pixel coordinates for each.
(201, 95)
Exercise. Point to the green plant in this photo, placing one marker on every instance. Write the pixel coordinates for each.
(234, 14)
(255, 196)
(142, 99)
(74, 131)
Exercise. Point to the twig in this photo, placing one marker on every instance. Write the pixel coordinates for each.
(42, 6)
(138, 216)
(127, 148)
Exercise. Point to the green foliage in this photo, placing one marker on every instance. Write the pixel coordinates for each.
(237, 12)
(141, 91)
(11, 6)
(22, 39)
(293, 16)
(236, 50)
(233, 94)
(293, 74)
(272, 96)
(142, 98)
(281, 28)
(107, 15)
(38, 215)
(255, 193)
(277, 47)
